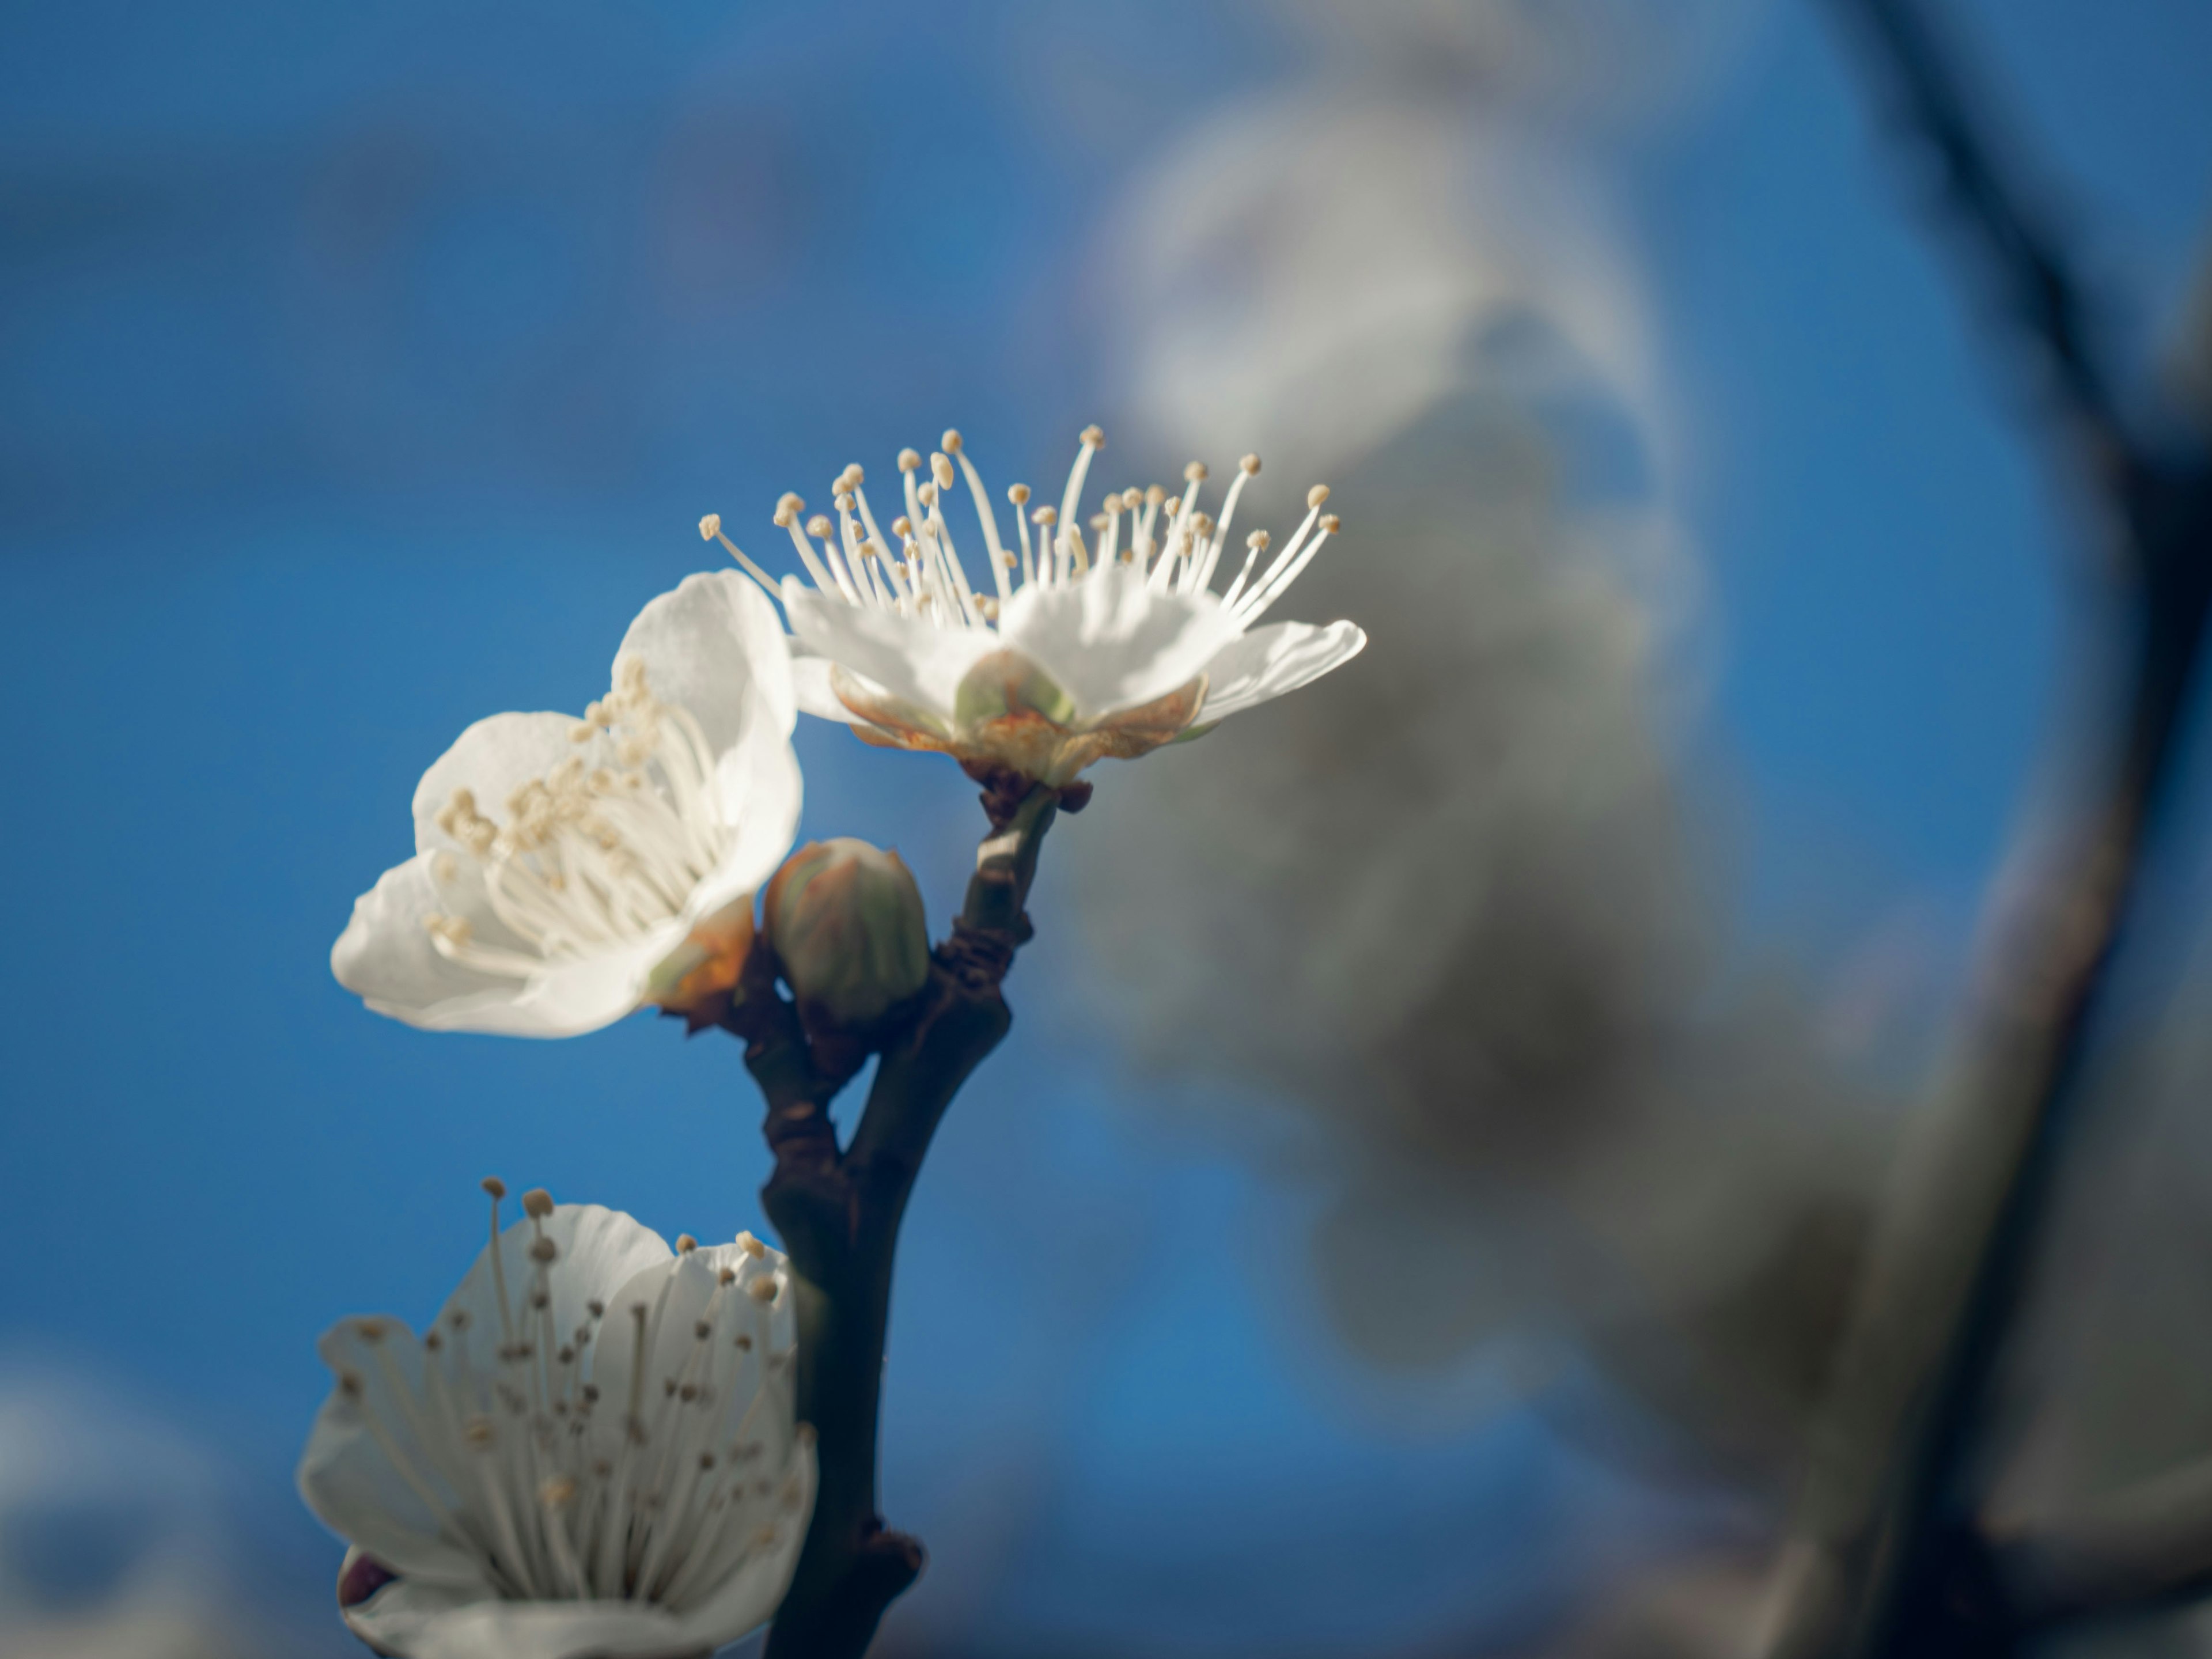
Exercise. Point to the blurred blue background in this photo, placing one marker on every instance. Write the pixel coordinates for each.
(364, 370)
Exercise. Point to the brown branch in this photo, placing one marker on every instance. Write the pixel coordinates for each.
(1889, 1561)
(838, 1211)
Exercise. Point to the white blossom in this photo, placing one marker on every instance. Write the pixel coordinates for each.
(592, 1452)
(632, 842)
(1074, 648)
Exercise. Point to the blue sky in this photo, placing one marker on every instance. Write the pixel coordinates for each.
(363, 372)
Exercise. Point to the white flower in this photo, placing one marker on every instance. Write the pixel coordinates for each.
(633, 842)
(1075, 650)
(592, 1452)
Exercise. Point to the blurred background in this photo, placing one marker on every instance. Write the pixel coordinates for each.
(1411, 1216)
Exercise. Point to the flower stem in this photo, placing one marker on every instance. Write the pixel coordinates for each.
(838, 1212)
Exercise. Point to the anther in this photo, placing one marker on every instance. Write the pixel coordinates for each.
(1316, 495)
(787, 502)
(688, 1393)
(556, 1492)
(901, 526)
(710, 526)
(369, 1330)
(566, 1356)
(1193, 472)
(495, 1187)
(941, 470)
(819, 526)
(853, 478)
(744, 1344)
(950, 443)
(1258, 539)
(751, 1246)
(432, 1342)
(537, 1204)
(727, 1276)
(701, 1329)
(927, 494)
(763, 1289)
(1250, 463)
(907, 460)
(596, 1309)
(685, 1243)
(1047, 515)
(1154, 494)
(1018, 494)
(1092, 437)
(1330, 523)
(478, 1431)
(543, 1251)
(349, 1384)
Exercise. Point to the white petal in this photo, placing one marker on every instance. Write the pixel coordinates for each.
(810, 684)
(577, 995)
(916, 662)
(1113, 645)
(1271, 661)
(688, 1289)
(347, 1475)
(715, 646)
(600, 1250)
(492, 759)
(386, 957)
(425, 1621)
(749, 1597)
(757, 789)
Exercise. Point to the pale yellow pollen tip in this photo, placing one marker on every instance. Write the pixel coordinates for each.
(1250, 463)
(1258, 539)
(927, 494)
(751, 1246)
(495, 1187)
(901, 525)
(543, 1250)
(941, 470)
(1094, 436)
(1047, 515)
(1330, 523)
(727, 1276)
(853, 478)
(761, 1290)
(818, 525)
(1018, 494)
(710, 526)
(556, 1492)
(369, 1330)
(790, 503)
(950, 443)
(1154, 494)
(1193, 472)
(1316, 495)
(537, 1204)
(907, 460)
(685, 1243)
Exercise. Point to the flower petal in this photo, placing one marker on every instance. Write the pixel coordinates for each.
(811, 687)
(419, 1620)
(1110, 642)
(751, 1595)
(912, 659)
(348, 1474)
(1271, 661)
(715, 646)
(598, 1251)
(492, 759)
(386, 957)
(758, 792)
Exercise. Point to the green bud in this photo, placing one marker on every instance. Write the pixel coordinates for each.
(846, 922)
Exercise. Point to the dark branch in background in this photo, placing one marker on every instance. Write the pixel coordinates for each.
(1891, 1560)
(838, 1209)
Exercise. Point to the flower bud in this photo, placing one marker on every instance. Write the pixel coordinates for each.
(846, 920)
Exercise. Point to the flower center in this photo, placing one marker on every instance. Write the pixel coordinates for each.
(561, 1493)
(606, 846)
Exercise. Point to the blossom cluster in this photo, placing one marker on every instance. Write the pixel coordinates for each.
(595, 1448)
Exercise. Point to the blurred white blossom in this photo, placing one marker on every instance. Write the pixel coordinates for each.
(591, 1452)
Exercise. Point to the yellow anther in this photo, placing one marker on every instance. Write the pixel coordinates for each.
(901, 525)
(1316, 495)
(1258, 539)
(941, 470)
(950, 443)
(1092, 436)
(710, 526)
(685, 1243)
(1329, 523)
(1018, 494)
(537, 1204)
(1250, 463)
(1193, 472)
(819, 526)
(751, 1246)
(495, 1187)
(908, 460)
